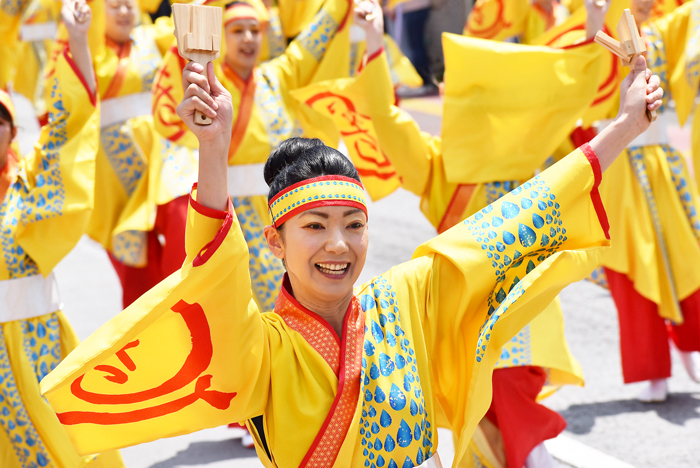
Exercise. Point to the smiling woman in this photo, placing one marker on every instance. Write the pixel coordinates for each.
(335, 375)
(325, 246)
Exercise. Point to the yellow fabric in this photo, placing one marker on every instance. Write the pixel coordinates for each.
(274, 42)
(137, 169)
(10, 23)
(43, 216)
(635, 252)
(418, 162)
(611, 72)
(680, 33)
(497, 19)
(29, 349)
(55, 180)
(296, 15)
(479, 453)
(507, 19)
(484, 91)
(344, 101)
(312, 56)
(449, 301)
(662, 8)
(402, 70)
(542, 343)
(29, 78)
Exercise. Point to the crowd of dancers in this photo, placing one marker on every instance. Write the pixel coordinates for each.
(239, 292)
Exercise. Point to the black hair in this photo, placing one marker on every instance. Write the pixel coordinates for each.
(5, 115)
(298, 159)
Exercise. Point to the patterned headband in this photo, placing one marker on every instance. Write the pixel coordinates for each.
(329, 190)
(241, 10)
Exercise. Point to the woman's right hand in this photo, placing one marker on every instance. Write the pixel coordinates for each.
(209, 97)
(639, 91)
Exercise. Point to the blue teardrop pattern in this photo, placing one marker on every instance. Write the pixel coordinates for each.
(680, 178)
(516, 234)
(393, 403)
(517, 352)
(28, 448)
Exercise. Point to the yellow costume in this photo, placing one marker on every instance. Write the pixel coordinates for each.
(136, 169)
(650, 164)
(417, 158)
(265, 116)
(296, 15)
(426, 333)
(37, 32)
(44, 212)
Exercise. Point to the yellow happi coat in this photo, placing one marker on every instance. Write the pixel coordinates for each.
(42, 216)
(651, 170)
(265, 116)
(137, 170)
(196, 352)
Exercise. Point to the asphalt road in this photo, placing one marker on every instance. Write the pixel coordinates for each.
(604, 415)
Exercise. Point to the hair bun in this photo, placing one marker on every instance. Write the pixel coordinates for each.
(286, 154)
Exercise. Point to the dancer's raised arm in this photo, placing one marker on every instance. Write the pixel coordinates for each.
(212, 99)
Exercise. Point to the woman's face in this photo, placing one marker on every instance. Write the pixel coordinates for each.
(120, 19)
(325, 250)
(7, 134)
(641, 9)
(243, 43)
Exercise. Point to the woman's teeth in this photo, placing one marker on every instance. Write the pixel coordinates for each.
(332, 268)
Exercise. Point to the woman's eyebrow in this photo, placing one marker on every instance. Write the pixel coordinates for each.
(352, 212)
(320, 214)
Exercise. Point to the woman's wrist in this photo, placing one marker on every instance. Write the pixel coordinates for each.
(375, 41)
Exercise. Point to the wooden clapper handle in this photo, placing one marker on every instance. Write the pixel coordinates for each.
(199, 118)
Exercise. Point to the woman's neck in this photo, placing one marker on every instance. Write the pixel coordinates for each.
(332, 312)
(243, 72)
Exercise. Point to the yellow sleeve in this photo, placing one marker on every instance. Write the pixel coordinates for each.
(193, 352)
(164, 30)
(674, 30)
(10, 23)
(167, 95)
(297, 66)
(296, 15)
(60, 172)
(490, 275)
(408, 149)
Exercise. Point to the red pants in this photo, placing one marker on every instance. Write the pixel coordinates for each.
(644, 334)
(524, 423)
(163, 259)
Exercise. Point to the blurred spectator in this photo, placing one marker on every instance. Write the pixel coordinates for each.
(417, 26)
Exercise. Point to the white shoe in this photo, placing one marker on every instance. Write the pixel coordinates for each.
(656, 392)
(540, 458)
(247, 441)
(691, 364)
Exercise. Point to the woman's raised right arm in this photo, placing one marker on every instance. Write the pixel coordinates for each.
(212, 99)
